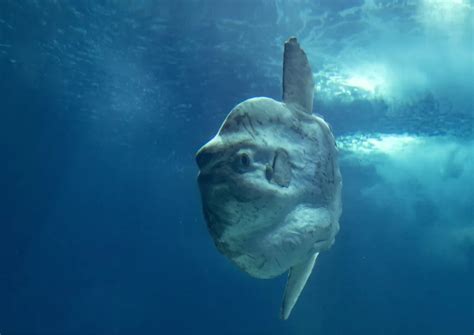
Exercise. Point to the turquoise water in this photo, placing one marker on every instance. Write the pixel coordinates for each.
(104, 104)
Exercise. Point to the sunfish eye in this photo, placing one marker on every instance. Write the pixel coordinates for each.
(245, 160)
(242, 162)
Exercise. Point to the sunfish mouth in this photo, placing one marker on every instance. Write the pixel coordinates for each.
(211, 178)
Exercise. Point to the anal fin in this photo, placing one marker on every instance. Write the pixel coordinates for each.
(297, 278)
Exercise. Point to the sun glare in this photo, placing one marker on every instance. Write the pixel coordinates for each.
(377, 143)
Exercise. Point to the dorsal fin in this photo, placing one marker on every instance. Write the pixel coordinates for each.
(298, 83)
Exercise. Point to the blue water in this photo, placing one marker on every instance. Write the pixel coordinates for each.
(104, 104)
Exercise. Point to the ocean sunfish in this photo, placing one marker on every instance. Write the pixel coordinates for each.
(270, 182)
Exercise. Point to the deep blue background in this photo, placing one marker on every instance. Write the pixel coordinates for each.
(103, 105)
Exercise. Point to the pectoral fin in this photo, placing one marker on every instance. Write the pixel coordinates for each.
(297, 278)
(280, 171)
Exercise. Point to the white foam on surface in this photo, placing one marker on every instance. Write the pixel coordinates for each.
(426, 182)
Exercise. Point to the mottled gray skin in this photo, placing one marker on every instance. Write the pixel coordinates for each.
(270, 182)
(264, 226)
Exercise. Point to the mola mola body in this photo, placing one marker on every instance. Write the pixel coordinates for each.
(270, 182)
